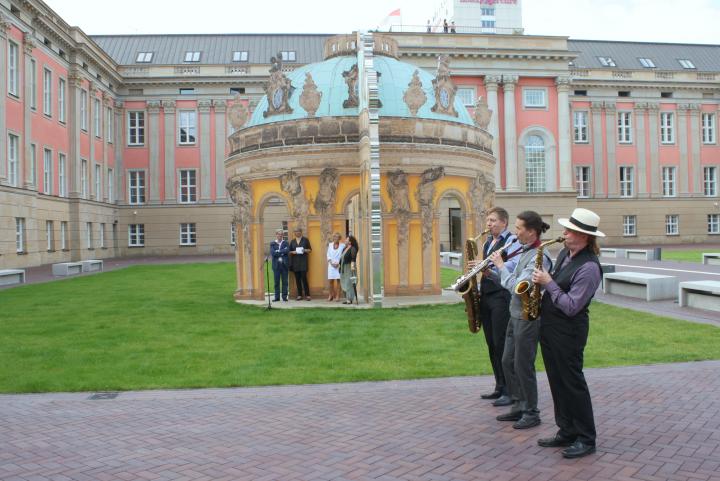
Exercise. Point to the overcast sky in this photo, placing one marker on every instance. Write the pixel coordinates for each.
(687, 21)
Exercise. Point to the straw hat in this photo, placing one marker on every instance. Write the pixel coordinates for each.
(583, 220)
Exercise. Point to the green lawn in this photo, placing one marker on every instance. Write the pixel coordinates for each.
(686, 255)
(176, 326)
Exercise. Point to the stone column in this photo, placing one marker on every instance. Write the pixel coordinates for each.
(171, 196)
(220, 139)
(120, 189)
(491, 86)
(682, 139)
(105, 104)
(640, 140)
(597, 140)
(4, 27)
(696, 186)
(153, 108)
(26, 170)
(74, 91)
(92, 95)
(610, 143)
(654, 136)
(205, 180)
(511, 160)
(565, 152)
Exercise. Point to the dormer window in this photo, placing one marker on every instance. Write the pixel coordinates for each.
(647, 63)
(192, 56)
(288, 55)
(144, 57)
(686, 63)
(607, 61)
(240, 56)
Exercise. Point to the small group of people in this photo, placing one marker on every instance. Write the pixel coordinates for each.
(561, 329)
(447, 28)
(294, 255)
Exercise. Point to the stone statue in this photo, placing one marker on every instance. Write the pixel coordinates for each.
(310, 97)
(241, 196)
(325, 201)
(278, 89)
(424, 195)
(444, 88)
(351, 78)
(238, 114)
(415, 95)
(299, 208)
(483, 114)
(482, 197)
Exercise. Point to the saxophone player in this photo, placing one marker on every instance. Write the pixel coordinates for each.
(521, 339)
(569, 288)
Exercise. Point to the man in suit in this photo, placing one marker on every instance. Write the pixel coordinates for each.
(299, 250)
(279, 252)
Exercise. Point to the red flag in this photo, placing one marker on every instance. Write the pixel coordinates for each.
(394, 13)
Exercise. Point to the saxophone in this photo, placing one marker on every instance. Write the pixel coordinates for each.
(530, 292)
(471, 294)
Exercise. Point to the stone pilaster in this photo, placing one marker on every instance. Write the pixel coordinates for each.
(682, 139)
(106, 103)
(491, 86)
(220, 139)
(169, 112)
(654, 137)
(204, 107)
(696, 185)
(153, 109)
(92, 95)
(74, 89)
(610, 143)
(4, 27)
(564, 150)
(596, 109)
(640, 142)
(26, 169)
(511, 160)
(120, 184)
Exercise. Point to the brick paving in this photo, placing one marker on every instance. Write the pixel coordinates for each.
(655, 423)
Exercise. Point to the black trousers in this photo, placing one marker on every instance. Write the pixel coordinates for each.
(495, 314)
(301, 282)
(562, 346)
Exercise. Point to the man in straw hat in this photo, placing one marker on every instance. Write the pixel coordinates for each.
(569, 288)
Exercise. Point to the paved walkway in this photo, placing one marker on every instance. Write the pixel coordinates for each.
(655, 423)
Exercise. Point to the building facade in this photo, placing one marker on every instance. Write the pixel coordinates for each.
(116, 145)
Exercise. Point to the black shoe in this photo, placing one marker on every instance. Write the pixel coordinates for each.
(277, 299)
(493, 395)
(503, 400)
(511, 416)
(554, 442)
(578, 449)
(527, 422)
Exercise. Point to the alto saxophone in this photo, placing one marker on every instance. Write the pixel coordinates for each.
(471, 294)
(529, 292)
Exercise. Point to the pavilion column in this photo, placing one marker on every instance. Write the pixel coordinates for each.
(27, 170)
(220, 139)
(511, 161)
(204, 107)
(565, 153)
(491, 87)
(169, 113)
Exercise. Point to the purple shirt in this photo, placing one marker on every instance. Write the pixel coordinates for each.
(585, 282)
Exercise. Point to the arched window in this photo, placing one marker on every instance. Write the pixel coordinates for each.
(535, 164)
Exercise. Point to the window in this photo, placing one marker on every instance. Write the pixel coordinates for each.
(187, 91)
(237, 90)
(580, 126)
(20, 234)
(241, 56)
(606, 61)
(580, 93)
(687, 64)
(136, 128)
(61, 100)
(96, 117)
(187, 234)
(668, 181)
(62, 187)
(33, 164)
(288, 55)
(83, 109)
(487, 23)
(88, 235)
(487, 12)
(466, 95)
(110, 191)
(83, 179)
(98, 182)
(233, 235)
(666, 95)
(582, 181)
(136, 186)
(192, 56)
(101, 242)
(47, 171)
(713, 223)
(144, 57)
(33, 84)
(535, 164)
(187, 127)
(623, 93)
(13, 171)
(671, 224)
(63, 235)
(667, 131)
(708, 128)
(627, 182)
(47, 92)
(629, 225)
(49, 235)
(710, 181)
(188, 187)
(647, 63)
(13, 71)
(534, 98)
(109, 125)
(136, 235)
(624, 120)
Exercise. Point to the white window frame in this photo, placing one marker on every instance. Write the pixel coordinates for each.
(667, 127)
(709, 130)
(534, 98)
(33, 84)
(63, 235)
(686, 63)
(624, 121)
(62, 169)
(83, 179)
(672, 224)
(110, 190)
(629, 226)
(710, 181)
(713, 221)
(13, 160)
(192, 56)
(98, 182)
(669, 181)
(466, 95)
(47, 171)
(580, 127)
(607, 61)
(97, 127)
(582, 181)
(49, 234)
(240, 56)
(83, 110)
(137, 192)
(187, 188)
(47, 92)
(188, 234)
(646, 62)
(288, 55)
(627, 181)
(144, 57)
(187, 120)
(20, 235)
(89, 235)
(136, 235)
(13, 69)
(535, 157)
(109, 125)
(136, 132)
(61, 100)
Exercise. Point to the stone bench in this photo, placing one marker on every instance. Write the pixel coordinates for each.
(640, 254)
(92, 265)
(12, 276)
(67, 268)
(611, 252)
(700, 295)
(651, 287)
(451, 258)
(711, 258)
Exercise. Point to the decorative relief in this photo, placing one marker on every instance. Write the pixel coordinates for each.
(168, 106)
(220, 106)
(400, 197)
(325, 201)
(444, 88)
(204, 105)
(424, 195)
(415, 95)
(28, 43)
(119, 104)
(238, 114)
(351, 78)
(5, 23)
(492, 81)
(278, 89)
(482, 197)
(153, 106)
(310, 97)
(241, 195)
(483, 114)
(299, 208)
(563, 83)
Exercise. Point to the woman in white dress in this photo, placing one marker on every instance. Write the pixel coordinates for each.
(334, 252)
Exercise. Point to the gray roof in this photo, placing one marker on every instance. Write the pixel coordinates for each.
(215, 49)
(706, 58)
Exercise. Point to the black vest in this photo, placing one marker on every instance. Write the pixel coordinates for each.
(486, 285)
(563, 277)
